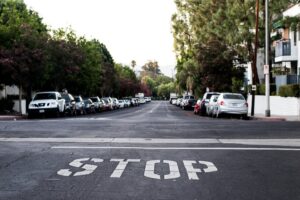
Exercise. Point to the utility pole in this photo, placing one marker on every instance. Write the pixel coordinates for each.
(266, 67)
(254, 82)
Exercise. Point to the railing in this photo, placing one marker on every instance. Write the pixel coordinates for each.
(283, 48)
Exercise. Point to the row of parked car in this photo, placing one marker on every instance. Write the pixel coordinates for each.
(214, 104)
(61, 104)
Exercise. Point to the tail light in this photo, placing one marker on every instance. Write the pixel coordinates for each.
(246, 104)
(222, 103)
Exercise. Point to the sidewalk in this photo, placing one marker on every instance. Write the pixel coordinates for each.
(11, 117)
(261, 117)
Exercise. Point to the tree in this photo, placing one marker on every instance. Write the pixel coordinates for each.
(198, 24)
(151, 68)
(22, 50)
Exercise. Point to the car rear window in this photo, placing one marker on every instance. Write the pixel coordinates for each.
(233, 96)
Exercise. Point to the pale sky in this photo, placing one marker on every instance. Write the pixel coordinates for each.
(137, 30)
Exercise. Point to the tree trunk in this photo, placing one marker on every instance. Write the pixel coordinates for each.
(20, 98)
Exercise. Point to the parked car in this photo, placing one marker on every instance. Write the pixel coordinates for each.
(106, 104)
(211, 104)
(121, 103)
(135, 102)
(148, 99)
(197, 107)
(127, 103)
(188, 102)
(205, 100)
(141, 100)
(172, 99)
(46, 103)
(89, 106)
(98, 103)
(232, 104)
(109, 102)
(115, 103)
(178, 101)
(80, 108)
(70, 104)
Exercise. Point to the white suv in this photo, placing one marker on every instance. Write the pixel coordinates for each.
(46, 103)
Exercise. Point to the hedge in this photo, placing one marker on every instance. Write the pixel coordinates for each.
(260, 89)
(289, 90)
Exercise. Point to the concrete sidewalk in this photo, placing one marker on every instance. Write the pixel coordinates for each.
(275, 118)
(12, 117)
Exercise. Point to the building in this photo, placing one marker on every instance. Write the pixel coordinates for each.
(287, 49)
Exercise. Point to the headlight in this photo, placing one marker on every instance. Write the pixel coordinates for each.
(31, 105)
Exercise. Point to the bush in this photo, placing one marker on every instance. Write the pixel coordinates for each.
(6, 104)
(289, 90)
(261, 89)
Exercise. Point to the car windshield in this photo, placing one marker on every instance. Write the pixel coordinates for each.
(42, 96)
(233, 96)
(189, 97)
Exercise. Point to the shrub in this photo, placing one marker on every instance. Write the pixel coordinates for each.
(289, 90)
(6, 104)
(261, 89)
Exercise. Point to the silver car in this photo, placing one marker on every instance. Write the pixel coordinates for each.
(213, 102)
(231, 103)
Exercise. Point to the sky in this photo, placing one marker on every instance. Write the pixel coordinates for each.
(137, 30)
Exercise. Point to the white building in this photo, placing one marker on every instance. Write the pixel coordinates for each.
(287, 51)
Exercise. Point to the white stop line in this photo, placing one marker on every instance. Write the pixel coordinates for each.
(192, 172)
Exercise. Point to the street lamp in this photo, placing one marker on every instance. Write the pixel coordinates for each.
(266, 66)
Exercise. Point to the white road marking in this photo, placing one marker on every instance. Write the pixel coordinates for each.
(114, 140)
(260, 142)
(121, 166)
(150, 172)
(192, 171)
(88, 168)
(210, 166)
(178, 148)
(149, 169)
(174, 170)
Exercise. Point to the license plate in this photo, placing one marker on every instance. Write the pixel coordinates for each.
(234, 104)
(41, 111)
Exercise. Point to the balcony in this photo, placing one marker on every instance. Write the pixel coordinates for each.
(285, 51)
(283, 48)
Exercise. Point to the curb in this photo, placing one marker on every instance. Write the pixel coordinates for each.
(11, 117)
(269, 119)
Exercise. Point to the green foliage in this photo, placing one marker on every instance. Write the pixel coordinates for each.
(127, 84)
(215, 35)
(33, 59)
(154, 80)
(164, 90)
(262, 88)
(289, 90)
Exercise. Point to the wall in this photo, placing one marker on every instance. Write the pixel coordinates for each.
(16, 106)
(285, 106)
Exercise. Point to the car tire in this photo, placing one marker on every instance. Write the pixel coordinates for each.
(245, 117)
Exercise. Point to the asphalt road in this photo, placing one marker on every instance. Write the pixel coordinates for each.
(154, 151)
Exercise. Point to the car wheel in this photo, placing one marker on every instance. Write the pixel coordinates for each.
(57, 113)
(245, 117)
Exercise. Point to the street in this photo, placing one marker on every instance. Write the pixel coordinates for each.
(154, 151)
